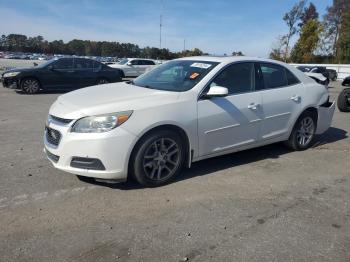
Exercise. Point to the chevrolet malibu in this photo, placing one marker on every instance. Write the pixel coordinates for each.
(184, 111)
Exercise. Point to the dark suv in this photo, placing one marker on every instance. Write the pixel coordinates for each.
(61, 74)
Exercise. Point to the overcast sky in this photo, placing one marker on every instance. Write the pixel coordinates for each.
(214, 26)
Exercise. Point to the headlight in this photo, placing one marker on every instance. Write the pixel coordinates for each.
(11, 74)
(101, 123)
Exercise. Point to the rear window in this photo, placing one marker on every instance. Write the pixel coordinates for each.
(83, 63)
(291, 78)
(274, 75)
(63, 63)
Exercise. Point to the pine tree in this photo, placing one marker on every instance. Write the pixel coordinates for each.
(303, 51)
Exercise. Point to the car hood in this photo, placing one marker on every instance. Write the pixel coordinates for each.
(18, 70)
(109, 98)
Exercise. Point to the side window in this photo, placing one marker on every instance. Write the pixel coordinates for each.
(97, 65)
(148, 62)
(64, 63)
(291, 78)
(135, 62)
(237, 78)
(274, 75)
(83, 63)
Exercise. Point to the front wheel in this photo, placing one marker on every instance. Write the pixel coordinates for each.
(158, 158)
(30, 85)
(303, 132)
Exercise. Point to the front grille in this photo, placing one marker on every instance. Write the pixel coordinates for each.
(61, 120)
(51, 156)
(53, 136)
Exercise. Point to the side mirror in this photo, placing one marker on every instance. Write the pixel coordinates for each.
(50, 67)
(129, 64)
(217, 91)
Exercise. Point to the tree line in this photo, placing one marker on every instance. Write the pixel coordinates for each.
(37, 44)
(325, 40)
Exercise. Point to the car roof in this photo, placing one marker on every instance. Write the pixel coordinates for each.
(230, 59)
(141, 59)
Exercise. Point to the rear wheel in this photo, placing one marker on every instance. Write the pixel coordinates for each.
(30, 85)
(303, 132)
(344, 100)
(158, 158)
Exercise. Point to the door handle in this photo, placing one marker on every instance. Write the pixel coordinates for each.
(253, 106)
(295, 98)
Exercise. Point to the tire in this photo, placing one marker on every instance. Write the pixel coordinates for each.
(30, 85)
(344, 100)
(102, 81)
(303, 132)
(157, 158)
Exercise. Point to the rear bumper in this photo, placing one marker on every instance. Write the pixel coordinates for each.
(325, 117)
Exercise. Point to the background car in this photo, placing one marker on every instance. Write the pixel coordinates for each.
(314, 73)
(333, 75)
(60, 74)
(133, 67)
(346, 81)
(344, 97)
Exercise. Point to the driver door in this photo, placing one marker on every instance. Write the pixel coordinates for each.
(225, 123)
(62, 75)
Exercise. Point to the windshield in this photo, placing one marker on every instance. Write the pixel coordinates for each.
(176, 75)
(123, 61)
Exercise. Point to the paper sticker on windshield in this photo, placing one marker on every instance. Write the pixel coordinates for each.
(201, 65)
(194, 75)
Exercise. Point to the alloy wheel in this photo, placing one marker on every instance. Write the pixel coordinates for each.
(30, 86)
(306, 131)
(161, 159)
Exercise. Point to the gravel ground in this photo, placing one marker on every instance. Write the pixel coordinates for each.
(266, 204)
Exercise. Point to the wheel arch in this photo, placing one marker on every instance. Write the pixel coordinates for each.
(30, 76)
(176, 128)
(41, 87)
(312, 109)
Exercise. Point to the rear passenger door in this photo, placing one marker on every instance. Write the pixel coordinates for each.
(146, 64)
(134, 69)
(84, 70)
(281, 97)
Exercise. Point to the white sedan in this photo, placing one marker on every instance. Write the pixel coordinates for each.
(184, 111)
(133, 67)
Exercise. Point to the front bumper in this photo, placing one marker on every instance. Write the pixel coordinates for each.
(10, 82)
(325, 117)
(111, 150)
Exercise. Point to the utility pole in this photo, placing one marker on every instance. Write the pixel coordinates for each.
(160, 24)
(184, 44)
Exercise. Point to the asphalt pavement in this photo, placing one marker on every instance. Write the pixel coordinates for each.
(265, 204)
